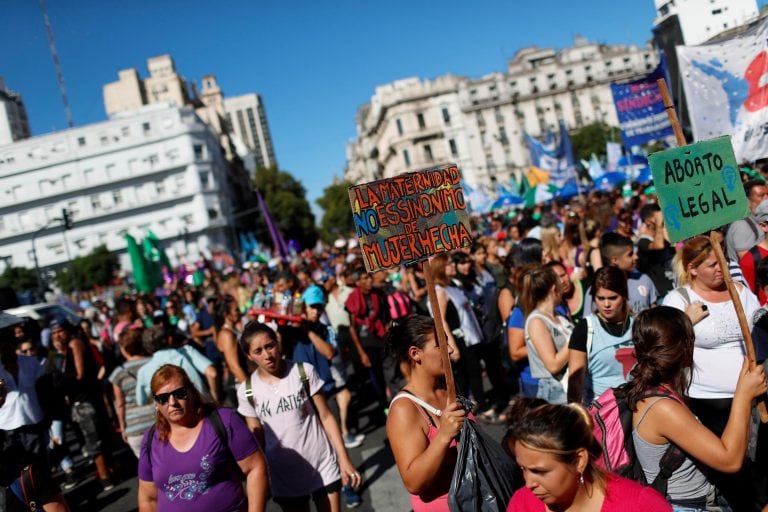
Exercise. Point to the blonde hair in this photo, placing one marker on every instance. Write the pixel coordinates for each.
(695, 251)
(549, 245)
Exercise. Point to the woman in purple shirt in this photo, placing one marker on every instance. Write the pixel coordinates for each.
(194, 456)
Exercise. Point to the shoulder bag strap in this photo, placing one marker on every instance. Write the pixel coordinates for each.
(249, 391)
(305, 385)
(590, 333)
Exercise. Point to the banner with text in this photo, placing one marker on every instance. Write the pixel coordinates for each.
(640, 108)
(410, 217)
(726, 91)
(699, 188)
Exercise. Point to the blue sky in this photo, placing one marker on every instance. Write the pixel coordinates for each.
(313, 62)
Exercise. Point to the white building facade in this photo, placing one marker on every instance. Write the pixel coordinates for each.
(701, 20)
(157, 168)
(479, 123)
(247, 120)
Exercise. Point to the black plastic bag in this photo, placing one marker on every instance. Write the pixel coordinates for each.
(485, 476)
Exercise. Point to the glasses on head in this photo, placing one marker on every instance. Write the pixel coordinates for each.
(178, 394)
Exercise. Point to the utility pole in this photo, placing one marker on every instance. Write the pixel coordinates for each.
(66, 224)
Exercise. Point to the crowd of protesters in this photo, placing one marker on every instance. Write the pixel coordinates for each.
(555, 304)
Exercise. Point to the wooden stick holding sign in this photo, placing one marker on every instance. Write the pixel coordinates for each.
(407, 219)
(720, 200)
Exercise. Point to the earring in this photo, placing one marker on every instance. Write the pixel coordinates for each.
(581, 478)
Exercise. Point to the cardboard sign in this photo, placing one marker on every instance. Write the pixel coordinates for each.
(699, 188)
(410, 217)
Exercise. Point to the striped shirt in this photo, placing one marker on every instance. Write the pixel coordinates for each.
(138, 418)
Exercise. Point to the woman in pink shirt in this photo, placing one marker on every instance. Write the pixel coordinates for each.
(422, 425)
(556, 450)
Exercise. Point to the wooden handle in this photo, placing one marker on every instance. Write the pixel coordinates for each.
(441, 338)
(749, 345)
(670, 108)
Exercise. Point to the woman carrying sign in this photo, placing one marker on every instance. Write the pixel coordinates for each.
(718, 350)
(422, 425)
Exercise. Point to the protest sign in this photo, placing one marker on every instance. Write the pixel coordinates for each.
(699, 188)
(640, 108)
(410, 217)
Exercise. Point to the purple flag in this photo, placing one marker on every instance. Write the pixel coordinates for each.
(274, 232)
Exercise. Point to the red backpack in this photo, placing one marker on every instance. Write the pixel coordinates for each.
(612, 419)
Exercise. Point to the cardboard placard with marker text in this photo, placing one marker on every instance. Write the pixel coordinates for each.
(410, 217)
(699, 187)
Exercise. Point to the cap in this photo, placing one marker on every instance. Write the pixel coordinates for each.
(56, 324)
(313, 295)
(761, 212)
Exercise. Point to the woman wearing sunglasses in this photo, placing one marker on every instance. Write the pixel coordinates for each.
(193, 457)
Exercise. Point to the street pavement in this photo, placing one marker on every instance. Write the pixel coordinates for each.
(382, 488)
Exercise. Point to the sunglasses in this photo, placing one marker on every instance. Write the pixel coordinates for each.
(178, 394)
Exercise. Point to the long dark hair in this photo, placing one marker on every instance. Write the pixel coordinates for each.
(413, 331)
(613, 279)
(663, 339)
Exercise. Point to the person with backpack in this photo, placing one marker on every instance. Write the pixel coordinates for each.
(601, 346)
(718, 350)
(283, 404)
(554, 447)
(195, 455)
(751, 259)
(664, 346)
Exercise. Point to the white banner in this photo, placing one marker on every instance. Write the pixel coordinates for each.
(727, 90)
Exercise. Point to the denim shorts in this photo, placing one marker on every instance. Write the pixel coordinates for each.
(551, 390)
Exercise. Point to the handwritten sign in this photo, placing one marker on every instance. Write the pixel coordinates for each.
(410, 217)
(698, 187)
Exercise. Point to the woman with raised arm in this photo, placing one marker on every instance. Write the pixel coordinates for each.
(422, 424)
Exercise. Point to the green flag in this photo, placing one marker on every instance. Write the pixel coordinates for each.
(138, 265)
(155, 258)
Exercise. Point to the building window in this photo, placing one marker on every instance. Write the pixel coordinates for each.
(81, 141)
(446, 116)
(117, 197)
(146, 128)
(151, 160)
(503, 136)
(212, 213)
(498, 114)
(420, 119)
(110, 170)
(198, 150)
(454, 149)
(406, 157)
(204, 180)
(125, 131)
(160, 187)
(96, 202)
(480, 119)
(399, 126)
(428, 153)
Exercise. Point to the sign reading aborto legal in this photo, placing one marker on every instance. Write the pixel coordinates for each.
(699, 187)
(410, 217)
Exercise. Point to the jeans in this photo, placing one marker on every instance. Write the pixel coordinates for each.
(551, 390)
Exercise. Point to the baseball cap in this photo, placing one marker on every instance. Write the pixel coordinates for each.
(313, 295)
(56, 324)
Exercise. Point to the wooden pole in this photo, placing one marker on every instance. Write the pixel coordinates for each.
(441, 338)
(715, 242)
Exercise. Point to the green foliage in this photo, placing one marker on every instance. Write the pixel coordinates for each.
(19, 278)
(337, 214)
(286, 199)
(591, 139)
(94, 269)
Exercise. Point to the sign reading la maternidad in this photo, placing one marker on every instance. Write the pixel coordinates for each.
(410, 217)
(699, 188)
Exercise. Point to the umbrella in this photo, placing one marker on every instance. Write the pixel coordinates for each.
(8, 320)
(610, 179)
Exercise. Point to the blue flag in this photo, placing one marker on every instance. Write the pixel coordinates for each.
(557, 160)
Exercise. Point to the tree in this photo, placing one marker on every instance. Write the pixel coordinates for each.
(591, 139)
(19, 278)
(337, 215)
(286, 199)
(96, 268)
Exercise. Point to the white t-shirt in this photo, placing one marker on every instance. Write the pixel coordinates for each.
(21, 405)
(718, 351)
(299, 456)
